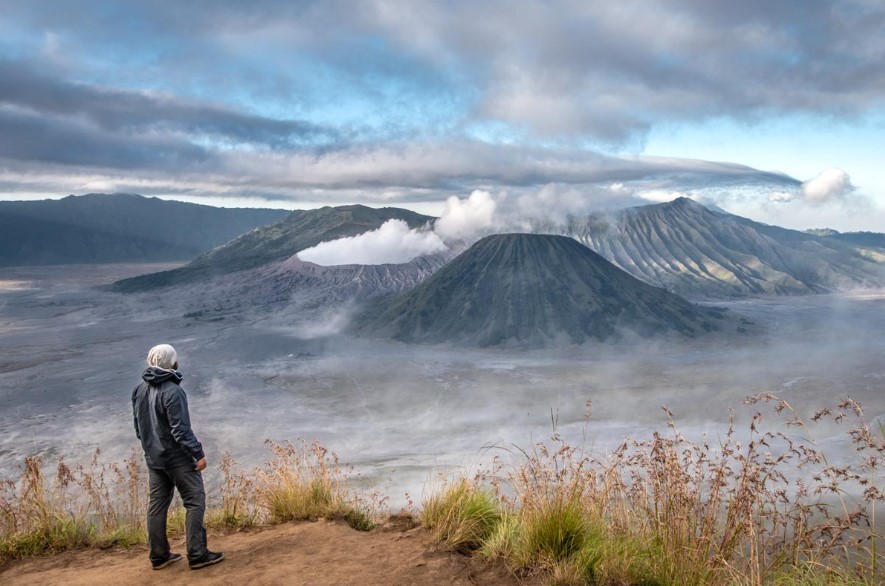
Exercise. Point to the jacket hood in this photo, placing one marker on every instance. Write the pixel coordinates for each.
(154, 375)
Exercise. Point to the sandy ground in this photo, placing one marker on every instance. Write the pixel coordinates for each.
(320, 553)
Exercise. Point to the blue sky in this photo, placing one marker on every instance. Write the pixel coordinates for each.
(774, 110)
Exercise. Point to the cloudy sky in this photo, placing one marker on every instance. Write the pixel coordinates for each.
(771, 109)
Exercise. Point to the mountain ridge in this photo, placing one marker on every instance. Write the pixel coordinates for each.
(102, 228)
(681, 246)
(863, 240)
(276, 242)
(691, 250)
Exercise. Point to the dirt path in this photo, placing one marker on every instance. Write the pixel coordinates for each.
(319, 554)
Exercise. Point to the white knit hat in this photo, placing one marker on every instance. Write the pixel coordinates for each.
(162, 356)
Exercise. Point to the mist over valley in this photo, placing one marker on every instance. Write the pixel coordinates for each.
(269, 349)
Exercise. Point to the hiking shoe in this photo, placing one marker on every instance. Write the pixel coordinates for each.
(210, 558)
(173, 557)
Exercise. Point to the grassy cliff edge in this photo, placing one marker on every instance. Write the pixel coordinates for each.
(758, 506)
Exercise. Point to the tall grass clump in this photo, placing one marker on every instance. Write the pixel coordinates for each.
(760, 507)
(95, 504)
(306, 482)
(463, 515)
(238, 508)
(558, 522)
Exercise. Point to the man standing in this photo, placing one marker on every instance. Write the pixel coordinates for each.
(174, 458)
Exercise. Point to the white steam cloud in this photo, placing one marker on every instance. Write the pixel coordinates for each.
(781, 196)
(465, 218)
(393, 243)
(829, 185)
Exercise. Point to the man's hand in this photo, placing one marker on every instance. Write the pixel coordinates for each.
(201, 465)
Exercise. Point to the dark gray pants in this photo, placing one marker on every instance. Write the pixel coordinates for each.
(189, 483)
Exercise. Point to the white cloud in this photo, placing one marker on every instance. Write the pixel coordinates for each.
(99, 186)
(660, 195)
(781, 196)
(465, 218)
(555, 202)
(829, 185)
(393, 243)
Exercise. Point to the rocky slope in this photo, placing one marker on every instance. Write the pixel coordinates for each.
(528, 290)
(303, 285)
(693, 251)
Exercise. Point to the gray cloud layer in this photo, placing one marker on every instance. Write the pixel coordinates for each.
(425, 97)
(132, 112)
(605, 69)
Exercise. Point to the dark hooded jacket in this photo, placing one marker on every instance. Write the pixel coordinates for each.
(162, 421)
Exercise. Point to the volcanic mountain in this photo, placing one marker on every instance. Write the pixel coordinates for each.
(296, 286)
(694, 251)
(277, 242)
(528, 290)
(119, 227)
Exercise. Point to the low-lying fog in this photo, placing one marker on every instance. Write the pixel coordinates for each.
(70, 356)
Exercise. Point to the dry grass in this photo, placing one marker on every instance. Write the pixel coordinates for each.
(99, 505)
(95, 504)
(760, 507)
(766, 510)
(238, 508)
(463, 515)
(306, 482)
